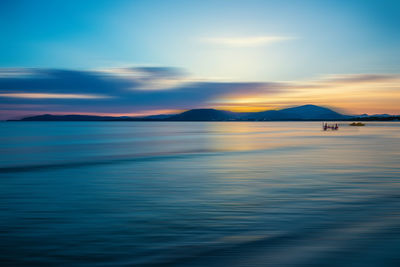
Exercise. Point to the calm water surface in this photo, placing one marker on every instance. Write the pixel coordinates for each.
(199, 194)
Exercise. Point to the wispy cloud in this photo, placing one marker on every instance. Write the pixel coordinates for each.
(122, 91)
(361, 78)
(151, 78)
(246, 41)
(51, 96)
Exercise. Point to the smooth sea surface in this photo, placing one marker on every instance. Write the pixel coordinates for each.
(199, 194)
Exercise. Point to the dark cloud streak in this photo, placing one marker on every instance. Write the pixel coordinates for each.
(122, 86)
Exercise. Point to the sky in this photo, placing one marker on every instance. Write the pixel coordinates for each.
(122, 57)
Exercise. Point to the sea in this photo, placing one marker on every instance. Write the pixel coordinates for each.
(199, 194)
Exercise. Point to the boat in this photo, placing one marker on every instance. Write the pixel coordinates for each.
(357, 124)
(333, 127)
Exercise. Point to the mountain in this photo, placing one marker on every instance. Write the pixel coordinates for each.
(158, 117)
(306, 112)
(382, 115)
(300, 113)
(204, 115)
(49, 117)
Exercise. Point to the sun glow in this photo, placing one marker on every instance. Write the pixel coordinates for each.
(251, 41)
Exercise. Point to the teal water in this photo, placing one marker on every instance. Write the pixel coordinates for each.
(199, 194)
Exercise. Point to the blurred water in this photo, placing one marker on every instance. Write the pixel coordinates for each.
(199, 194)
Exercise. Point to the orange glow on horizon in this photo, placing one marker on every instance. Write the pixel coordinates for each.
(350, 94)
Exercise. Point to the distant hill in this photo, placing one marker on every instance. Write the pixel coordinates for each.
(300, 113)
(49, 117)
(158, 117)
(306, 112)
(204, 115)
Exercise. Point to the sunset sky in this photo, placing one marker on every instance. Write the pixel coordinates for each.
(150, 57)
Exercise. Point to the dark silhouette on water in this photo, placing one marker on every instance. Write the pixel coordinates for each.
(327, 126)
(357, 124)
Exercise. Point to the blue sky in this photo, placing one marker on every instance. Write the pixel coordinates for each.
(324, 36)
(227, 40)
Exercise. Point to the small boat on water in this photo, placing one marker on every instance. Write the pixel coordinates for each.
(357, 124)
(331, 126)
